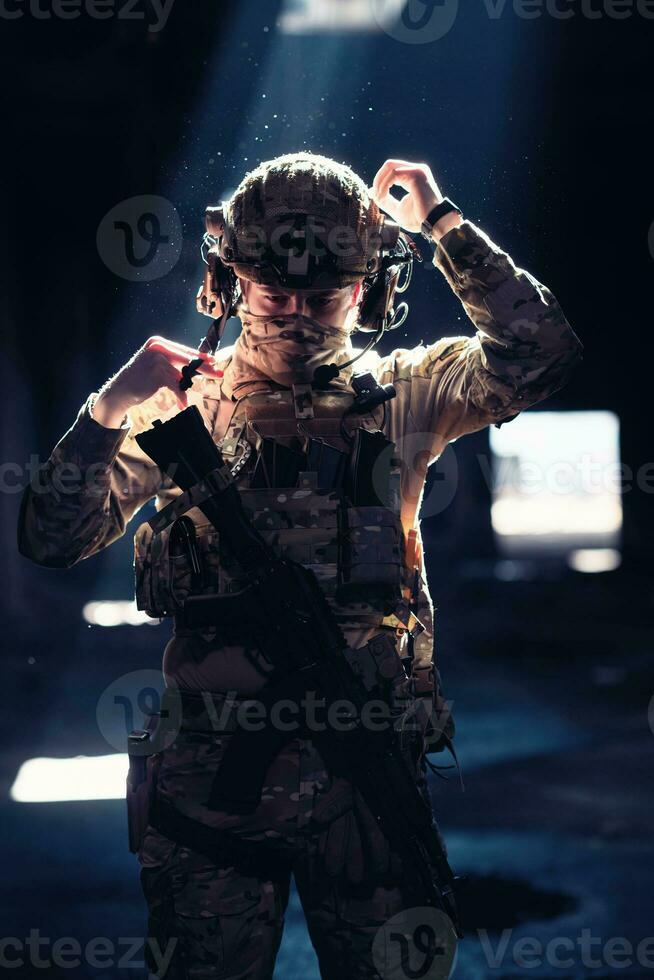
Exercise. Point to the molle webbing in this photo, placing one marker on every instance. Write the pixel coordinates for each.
(356, 552)
(288, 416)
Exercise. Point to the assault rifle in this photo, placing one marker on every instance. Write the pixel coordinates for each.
(299, 635)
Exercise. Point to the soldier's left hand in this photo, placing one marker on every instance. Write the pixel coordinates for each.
(423, 195)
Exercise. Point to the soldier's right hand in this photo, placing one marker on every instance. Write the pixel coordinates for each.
(157, 364)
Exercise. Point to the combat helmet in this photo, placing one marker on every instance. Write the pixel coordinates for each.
(304, 221)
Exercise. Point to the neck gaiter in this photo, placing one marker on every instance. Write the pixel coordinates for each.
(286, 349)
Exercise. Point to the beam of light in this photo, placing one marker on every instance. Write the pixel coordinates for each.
(594, 560)
(252, 106)
(116, 612)
(556, 480)
(44, 780)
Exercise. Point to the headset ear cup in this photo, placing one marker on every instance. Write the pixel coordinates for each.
(369, 307)
(219, 281)
(214, 220)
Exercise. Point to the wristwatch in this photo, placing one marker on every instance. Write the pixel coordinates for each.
(435, 215)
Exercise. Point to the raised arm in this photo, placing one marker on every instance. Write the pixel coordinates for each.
(97, 477)
(81, 499)
(524, 348)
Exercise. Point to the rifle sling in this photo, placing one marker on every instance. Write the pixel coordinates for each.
(254, 858)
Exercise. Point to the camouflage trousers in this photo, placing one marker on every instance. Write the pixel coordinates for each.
(223, 924)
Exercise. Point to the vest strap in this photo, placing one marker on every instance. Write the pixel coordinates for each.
(214, 482)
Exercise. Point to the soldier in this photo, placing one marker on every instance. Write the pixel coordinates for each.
(303, 466)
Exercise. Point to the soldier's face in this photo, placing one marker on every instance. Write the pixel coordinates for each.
(328, 305)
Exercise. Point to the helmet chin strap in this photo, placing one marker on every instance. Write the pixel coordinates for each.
(209, 345)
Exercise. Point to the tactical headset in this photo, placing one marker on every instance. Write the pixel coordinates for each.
(220, 291)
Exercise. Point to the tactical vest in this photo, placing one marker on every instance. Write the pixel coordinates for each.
(322, 485)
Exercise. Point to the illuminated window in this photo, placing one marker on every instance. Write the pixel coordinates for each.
(557, 484)
(336, 16)
(115, 612)
(84, 777)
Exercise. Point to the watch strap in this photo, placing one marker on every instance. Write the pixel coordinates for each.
(435, 215)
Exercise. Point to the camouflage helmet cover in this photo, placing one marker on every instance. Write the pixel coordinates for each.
(307, 200)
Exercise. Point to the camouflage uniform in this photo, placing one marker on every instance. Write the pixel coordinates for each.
(229, 924)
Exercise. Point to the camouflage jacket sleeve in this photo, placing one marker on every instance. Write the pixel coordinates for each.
(523, 350)
(82, 497)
